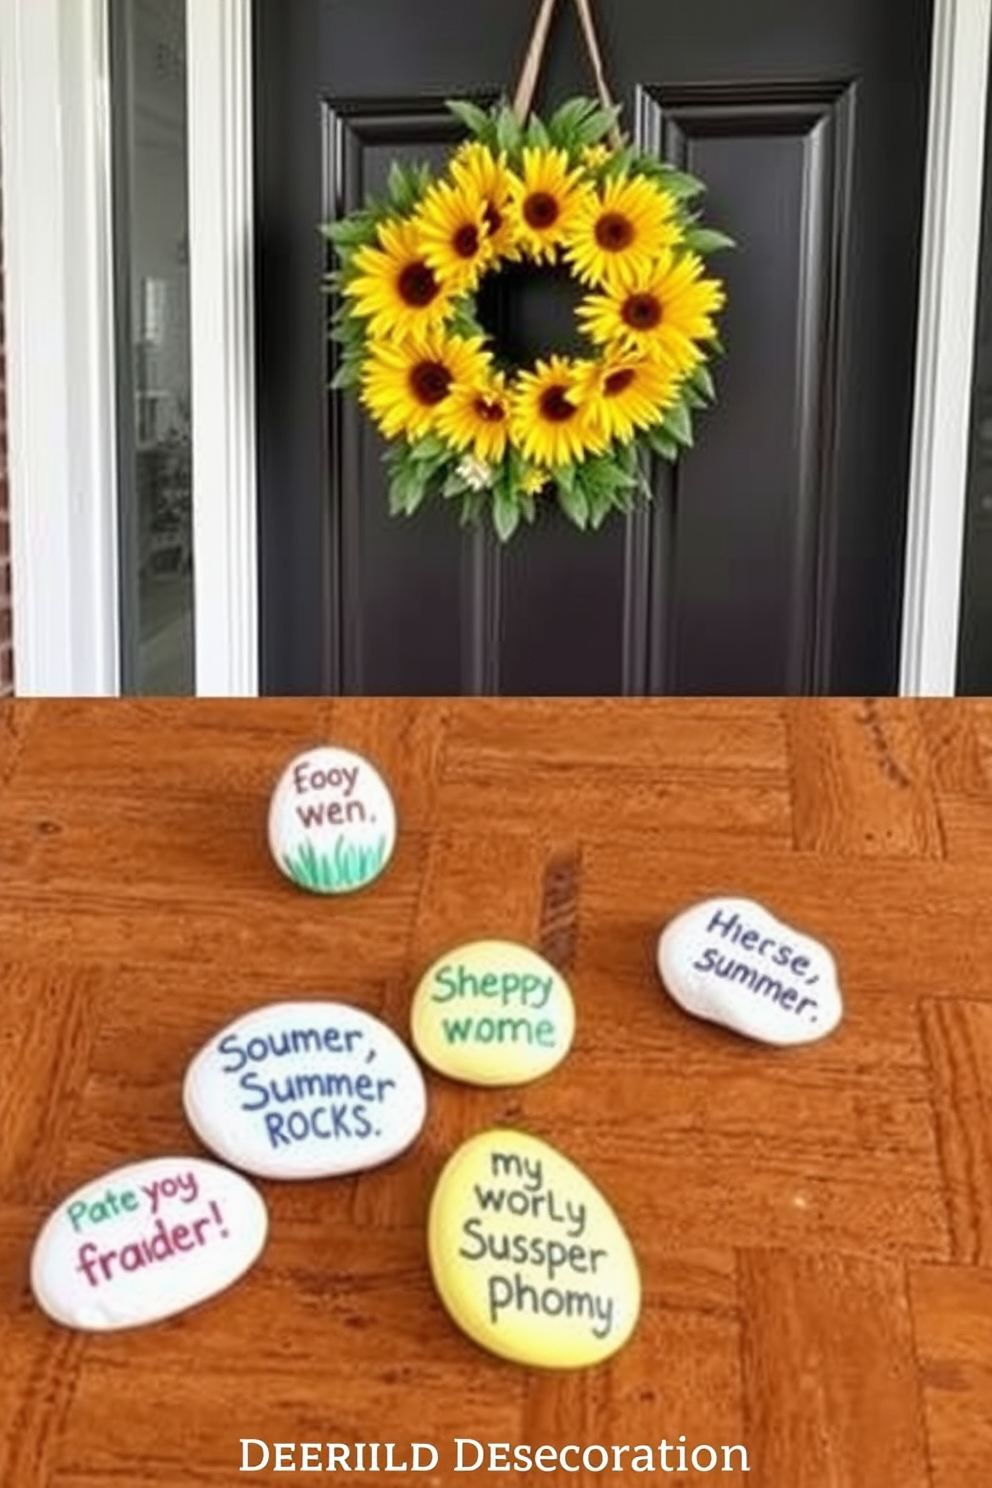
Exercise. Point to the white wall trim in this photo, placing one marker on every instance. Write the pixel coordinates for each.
(225, 545)
(945, 353)
(60, 357)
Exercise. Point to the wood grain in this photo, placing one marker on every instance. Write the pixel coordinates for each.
(952, 1308)
(814, 1226)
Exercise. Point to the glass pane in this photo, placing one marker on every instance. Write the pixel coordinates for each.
(153, 350)
(975, 656)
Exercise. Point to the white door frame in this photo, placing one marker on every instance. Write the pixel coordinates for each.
(54, 128)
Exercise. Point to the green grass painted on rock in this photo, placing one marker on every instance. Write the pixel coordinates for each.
(348, 866)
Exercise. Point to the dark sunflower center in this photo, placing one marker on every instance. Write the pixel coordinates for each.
(466, 241)
(555, 406)
(489, 410)
(541, 210)
(614, 232)
(417, 285)
(619, 382)
(430, 383)
(493, 218)
(642, 312)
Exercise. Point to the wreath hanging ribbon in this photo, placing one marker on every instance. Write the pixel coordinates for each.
(531, 72)
(462, 422)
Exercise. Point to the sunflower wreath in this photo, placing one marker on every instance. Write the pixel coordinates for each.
(462, 422)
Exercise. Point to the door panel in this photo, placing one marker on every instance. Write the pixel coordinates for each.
(771, 560)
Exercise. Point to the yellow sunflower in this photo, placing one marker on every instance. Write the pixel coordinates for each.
(664, 312)
(626, 393)
(618, 232)
(476, 416)
(395, 287)
(550, 422)
(594, 157)
(545, 201)
(488, 178)
(533, 481)
(406, 383)
(454, 236)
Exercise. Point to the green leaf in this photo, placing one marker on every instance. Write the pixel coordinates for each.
(681, 185)
(566, 122)
(348, 331)
(348, 375)
(707, 240)
(621, 163)
(463, 320)
(573, 502)
(662, 443)
(472, 507)
(678, 423)
(701, 378)
(423, 178)
(476, 120)
(407, 491)
(536, 134)
(404, 188)
(509, 131)
(597, 125)
(506, 516)
(565, 477)
(454, 485)
(598, 513)
(528, 508)
(350, 232)
(399, 460)
(429, 448)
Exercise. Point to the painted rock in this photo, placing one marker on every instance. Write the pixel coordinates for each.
(332, 822)
(305, 1090)
(731, 962)
(528, 1257)
(493, 1013)
(146, 1242)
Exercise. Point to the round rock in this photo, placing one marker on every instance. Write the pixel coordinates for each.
(332, 822)
(145, 1242)
(305, 1090)
(528, 1257)
(730, 961)
(493, 1013)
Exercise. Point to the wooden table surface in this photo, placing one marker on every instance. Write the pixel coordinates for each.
(814, 1225)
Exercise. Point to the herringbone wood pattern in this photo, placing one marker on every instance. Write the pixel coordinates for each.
(814, 1226)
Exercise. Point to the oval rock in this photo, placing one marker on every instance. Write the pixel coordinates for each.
(730, 961)
(145, 1242)
(528, 1257)
(305, 1090)
(493, 1013)
(332, 822)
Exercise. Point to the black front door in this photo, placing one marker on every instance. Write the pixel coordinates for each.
(772, 561)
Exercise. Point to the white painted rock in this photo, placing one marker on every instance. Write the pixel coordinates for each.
(146, 1242)
(332, 822)
(731, 962)
(305, 1090)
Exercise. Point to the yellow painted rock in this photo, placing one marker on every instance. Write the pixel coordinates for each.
(493, 1013)
(528, 1257)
